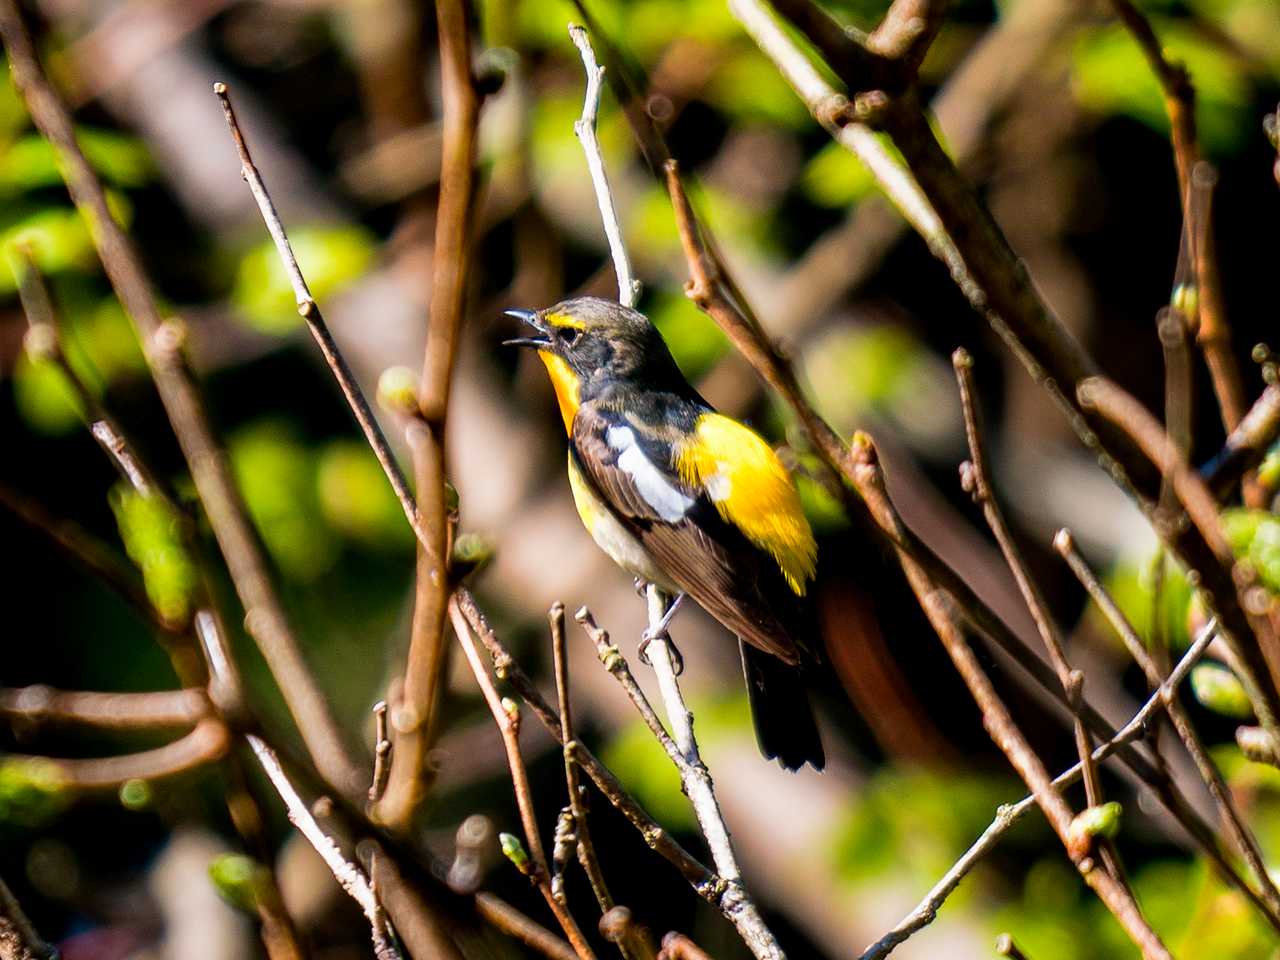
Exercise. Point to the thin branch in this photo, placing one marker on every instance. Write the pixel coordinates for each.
(986, 269)
(1008, 814)
(707, 884)
(210, 469)
(682, 748)
(413, 722)
(676, 946)
(44, 341)
(90, 553)
(1007, 948)
(1128, 414)
(732, 316)
(976, 479)
(204, 745)
(939, 608)
(1241, 837)
(18, 937)
(349, 876)
(310, 312)
(906, 32)
(582, 842)
(507, 717)
(381, 752)
(161, 710)
(512, 922)
(585, 129)
(1247, 444)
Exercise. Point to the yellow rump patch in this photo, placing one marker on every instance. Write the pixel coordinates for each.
(565, 382)
(752, 490)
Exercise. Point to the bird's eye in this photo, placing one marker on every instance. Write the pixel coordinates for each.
(569, 336)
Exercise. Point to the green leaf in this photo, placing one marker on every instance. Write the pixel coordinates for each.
(647, 772)
(44, 398)
(30, 162)
(1220, 690)
(693, 338)
(240, 880)
(277, 477)
(153, 537)
(749, 88)
(356, 498)
(329, 257)
(1133, 588)
(1254, 535)
(1110, 75)
(32, 791)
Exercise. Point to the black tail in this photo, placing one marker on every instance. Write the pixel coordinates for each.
(780, 708)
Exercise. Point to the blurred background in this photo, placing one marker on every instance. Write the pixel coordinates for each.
(1047, 104)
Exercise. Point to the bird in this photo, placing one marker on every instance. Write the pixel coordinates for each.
(687, 499)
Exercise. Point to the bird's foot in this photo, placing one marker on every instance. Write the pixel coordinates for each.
(643, 650)
(641, 585)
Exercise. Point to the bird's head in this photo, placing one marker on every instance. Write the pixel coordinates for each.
(588, 344)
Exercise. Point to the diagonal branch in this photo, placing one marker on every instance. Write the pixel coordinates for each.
(162, 342)
(1007, 815)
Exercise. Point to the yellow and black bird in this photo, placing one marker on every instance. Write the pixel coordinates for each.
(688, 499)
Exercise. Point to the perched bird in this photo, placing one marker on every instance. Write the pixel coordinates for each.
(687, 499)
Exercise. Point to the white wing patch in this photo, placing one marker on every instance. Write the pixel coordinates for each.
(719, 486)
(657, 491)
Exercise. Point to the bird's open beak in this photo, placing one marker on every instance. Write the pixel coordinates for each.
(531, 318)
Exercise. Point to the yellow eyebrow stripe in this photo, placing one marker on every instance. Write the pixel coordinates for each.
(563, 320)
(752, 490)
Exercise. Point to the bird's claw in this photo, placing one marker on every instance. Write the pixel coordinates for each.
(641, 586)
(647, 638)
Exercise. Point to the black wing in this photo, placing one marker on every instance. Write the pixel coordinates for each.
(706, 557)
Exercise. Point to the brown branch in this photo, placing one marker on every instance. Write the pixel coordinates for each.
(507, 717)
(939, 608)
(1242, 838)
(381, 752)
(204, 745)
(700, 877)
(511, 921)
(1221, 587)
(906, 32)
(44, 341)
(38, 705)
(1247, 444)
(89, 553)
(705, 290)
(309, 310)
(18, 937)
(424, 668)
(676, 946)
(975, 478)
(945, 209)
(1008, 814)
(582, 841)
(349, 876)
(210, 469)
(1007, 948)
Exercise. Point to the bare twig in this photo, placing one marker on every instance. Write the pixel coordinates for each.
(1241, 837)
(731, 314)
(939, 608)
(699, 876)
(582, 842)
(210, 469)
(1127, 413)
(349, 876)
(975, 478)
(38, 705)
(1247, 444)
(511, 921)
(204, 745)
(310, 312)
(381, 752)
(585, 129)
(986, 269)
(507, 717)
(676, 946)
(1009, 814)
(1007, 948)
(413, 721)
(18, 937)
(44, 341)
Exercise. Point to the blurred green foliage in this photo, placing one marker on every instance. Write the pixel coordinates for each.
(329, 257)
(32, 791)
(240, 880)
(1220, 690)
(1133, 587)
(1254, 535)
(153, 537)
